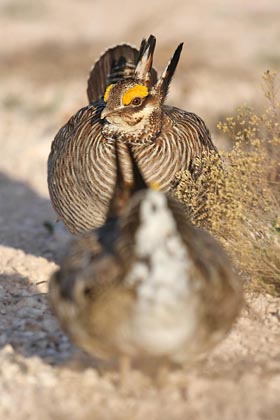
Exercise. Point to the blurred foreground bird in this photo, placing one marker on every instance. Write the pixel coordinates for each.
(147, 285)
(126, 104)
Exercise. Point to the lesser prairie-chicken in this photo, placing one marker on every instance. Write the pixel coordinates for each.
(126, 104)
(147, 285)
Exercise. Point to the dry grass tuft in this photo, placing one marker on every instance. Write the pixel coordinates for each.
(238, 200)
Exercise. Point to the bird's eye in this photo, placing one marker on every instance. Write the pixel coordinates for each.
(136, 101)
(87, 291)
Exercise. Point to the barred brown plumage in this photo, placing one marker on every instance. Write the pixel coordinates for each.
(147, 285)
(164, 139)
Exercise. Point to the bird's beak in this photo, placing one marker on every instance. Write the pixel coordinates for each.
(106, 113)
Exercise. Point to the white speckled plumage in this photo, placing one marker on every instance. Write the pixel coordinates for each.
(163, 285)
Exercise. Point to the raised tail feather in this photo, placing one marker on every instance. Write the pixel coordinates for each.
(115, 64)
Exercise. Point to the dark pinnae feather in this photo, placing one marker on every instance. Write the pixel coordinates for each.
(145, 60)
(149, 48)
(142, 49)
(166, 77)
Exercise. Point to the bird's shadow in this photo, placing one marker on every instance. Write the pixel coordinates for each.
(27, 221)
(29, 326)
(27, 323)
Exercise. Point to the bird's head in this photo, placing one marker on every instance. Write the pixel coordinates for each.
(133, 107)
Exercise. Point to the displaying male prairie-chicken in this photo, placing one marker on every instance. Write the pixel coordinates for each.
(147, 285)
(126, 104)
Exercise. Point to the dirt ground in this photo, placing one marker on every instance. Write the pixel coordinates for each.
(47, 48)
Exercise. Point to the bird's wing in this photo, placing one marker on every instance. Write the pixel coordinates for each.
(192, 128)
(81, 169)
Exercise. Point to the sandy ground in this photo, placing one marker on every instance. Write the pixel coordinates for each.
(46, 50)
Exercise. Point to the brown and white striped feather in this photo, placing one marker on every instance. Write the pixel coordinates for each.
(82, 167)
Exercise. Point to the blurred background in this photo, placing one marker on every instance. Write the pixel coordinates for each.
(48, 47)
